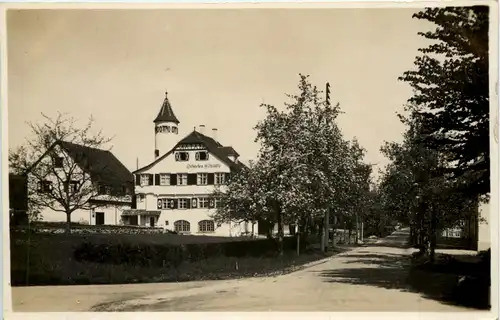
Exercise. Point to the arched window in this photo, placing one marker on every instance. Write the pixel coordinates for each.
(182, 226)
(206, 226)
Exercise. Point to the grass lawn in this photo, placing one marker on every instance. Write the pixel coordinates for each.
(48, 260)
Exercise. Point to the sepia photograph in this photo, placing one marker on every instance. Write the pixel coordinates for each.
(285, 158)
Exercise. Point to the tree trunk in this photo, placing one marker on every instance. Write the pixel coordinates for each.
(280, 230)
(298, 242)
(68, 222)
(322, 236)
(357, 229)
(253, 228)
(432, 249)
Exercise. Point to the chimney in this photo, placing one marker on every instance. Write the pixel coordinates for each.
(202, 128)
(214, 134)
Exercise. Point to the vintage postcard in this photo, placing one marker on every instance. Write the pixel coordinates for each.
(286, 157)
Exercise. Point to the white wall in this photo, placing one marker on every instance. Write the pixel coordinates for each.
(484, 236)
(112, 215)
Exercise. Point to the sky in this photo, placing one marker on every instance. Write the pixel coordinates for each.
(218, 66)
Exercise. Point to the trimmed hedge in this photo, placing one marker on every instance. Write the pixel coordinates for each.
(60, 259)
(161, 255)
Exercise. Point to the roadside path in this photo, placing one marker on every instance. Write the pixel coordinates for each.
(370, 278)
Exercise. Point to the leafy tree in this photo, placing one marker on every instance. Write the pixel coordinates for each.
(451, 92)
(243, 198)
(71, 186)
(414, 189)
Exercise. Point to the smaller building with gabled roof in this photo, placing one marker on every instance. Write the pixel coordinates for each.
(92, 183)
(175, 190)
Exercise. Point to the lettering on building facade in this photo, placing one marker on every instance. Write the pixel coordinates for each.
(203, 166)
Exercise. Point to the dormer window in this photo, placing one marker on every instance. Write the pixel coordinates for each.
(45, 186)
(125, 190)
(57, 161)
(181, 156)
(201, 156)
(102, 189)
(71, 186)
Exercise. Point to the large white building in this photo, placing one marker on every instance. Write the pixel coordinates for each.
(174, 191)
(90, 180)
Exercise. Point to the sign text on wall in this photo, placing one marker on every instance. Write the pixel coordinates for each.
(203, 166)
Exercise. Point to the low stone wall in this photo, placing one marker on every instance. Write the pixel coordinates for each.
(86, 229)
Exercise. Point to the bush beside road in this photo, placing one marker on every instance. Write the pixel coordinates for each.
(61, 259)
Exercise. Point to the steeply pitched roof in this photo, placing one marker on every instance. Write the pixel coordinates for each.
(230, 151)
(166, 113)
(102, 165)
(213, 146)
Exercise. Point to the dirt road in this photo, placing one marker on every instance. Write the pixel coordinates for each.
(368, 278)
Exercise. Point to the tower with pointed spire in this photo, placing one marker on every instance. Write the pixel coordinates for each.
(166, 128)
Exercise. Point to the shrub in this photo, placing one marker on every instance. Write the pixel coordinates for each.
(156, 254)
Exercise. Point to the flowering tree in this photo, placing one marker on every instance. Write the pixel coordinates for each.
(243, 198)
(304, 166)
(57, 179)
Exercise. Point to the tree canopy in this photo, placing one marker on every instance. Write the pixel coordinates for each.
(451, 92)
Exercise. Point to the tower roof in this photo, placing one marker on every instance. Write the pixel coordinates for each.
(166, 113)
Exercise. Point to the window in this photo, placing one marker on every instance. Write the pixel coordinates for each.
(164, 179)
(163, 204)
(140, 197)
(45, 186)
(57, 161)
(102, 189)
(174, 130)
(182, 226)
(183, 203)
(181, 156)
(202, 179)
(206, 226)
(182, 179)
(201, 156)
(203, 203)
(144, 179)
(218, 203)
(220, 178)
(72, 186)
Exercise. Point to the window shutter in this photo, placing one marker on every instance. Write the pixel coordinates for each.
(150, 179)
(137, 179)
(173, 179)
(174, 204)
(159, 203)
(227, 177)
(194, 203)
(211, 203)
(210, 178)
(191, 179)
(157, 179)
(188, 204)
(170, 203)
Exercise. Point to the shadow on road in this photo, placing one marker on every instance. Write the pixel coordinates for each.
(393, 271)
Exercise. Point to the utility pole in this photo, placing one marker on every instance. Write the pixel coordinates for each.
(327, 213)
